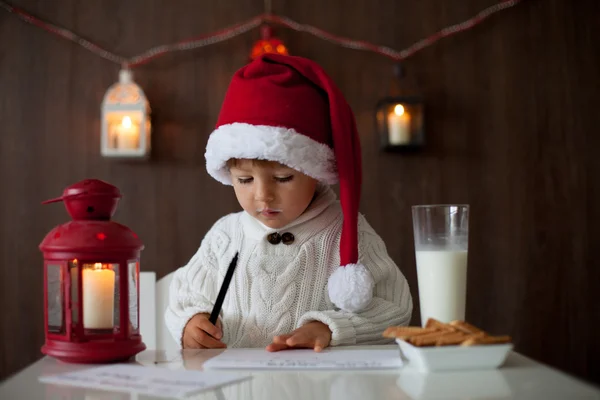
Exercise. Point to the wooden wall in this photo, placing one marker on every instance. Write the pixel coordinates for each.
(512, 129)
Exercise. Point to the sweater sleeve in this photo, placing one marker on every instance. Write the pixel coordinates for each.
(194, 287)
(391, 304)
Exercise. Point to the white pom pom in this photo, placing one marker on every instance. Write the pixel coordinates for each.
(351, 287)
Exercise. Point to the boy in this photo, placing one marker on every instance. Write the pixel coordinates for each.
(285, 132)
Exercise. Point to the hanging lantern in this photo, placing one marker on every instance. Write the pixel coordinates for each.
(125, 120)
(91, 280)
(267, 44)
(399, 117)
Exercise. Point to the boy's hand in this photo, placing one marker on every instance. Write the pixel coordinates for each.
(313, 335)
(199, 333)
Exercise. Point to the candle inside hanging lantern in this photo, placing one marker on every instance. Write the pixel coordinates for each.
(126, 128)
(91, 275)
(400, 118)
(399, 125)
(127, 134)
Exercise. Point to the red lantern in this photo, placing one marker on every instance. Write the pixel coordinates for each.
(91, 280)
(267, 44)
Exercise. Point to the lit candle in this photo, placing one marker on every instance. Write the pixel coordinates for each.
(399, 125)
(127, 134)
(98, 297)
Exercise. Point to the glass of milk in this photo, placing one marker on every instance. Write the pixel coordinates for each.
(441, 235)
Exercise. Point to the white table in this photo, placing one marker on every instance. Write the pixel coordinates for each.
(519, 378)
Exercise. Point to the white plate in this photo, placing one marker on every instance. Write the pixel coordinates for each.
(444, 358)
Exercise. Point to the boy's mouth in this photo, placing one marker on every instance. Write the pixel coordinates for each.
(268, 212)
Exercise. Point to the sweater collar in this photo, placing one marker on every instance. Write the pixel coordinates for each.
(325, 196)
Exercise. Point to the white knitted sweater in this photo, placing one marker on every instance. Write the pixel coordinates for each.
(278, 288)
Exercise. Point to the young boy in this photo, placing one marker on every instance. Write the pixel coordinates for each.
(311, 272)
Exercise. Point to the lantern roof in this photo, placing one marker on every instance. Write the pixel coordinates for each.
(90, 199)
(125, 93)
(106, 237)
(91, 203)
(87, 187)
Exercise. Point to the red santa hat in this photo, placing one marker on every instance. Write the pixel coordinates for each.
(287, 109)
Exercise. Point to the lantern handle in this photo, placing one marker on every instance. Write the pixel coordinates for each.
(78, 196)
(55, 200)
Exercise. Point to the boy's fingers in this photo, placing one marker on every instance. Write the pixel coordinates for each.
(190, 343)
(209, 328)
(198, 335)
(300, 339)
(277, 347)
(206, 340)
(320, 344)
(281, 339)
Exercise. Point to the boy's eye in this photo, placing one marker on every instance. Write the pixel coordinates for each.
(244, 181)
(284, 178)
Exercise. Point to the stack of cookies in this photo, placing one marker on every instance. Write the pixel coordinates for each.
(436, 333)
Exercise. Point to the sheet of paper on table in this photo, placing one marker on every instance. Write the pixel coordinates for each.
(331, 358)
(145, 380)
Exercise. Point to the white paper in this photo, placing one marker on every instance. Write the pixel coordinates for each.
(332, 358)
(144, 380)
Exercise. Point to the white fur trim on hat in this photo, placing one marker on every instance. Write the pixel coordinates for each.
(351, 287)
(286, 146)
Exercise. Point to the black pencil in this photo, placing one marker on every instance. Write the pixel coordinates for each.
(223, 291)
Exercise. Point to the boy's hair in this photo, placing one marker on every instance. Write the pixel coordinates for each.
(233, 162)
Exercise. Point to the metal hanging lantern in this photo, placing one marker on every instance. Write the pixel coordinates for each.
(91, 280)
(400, 117)
(126, 128)
(267, 44)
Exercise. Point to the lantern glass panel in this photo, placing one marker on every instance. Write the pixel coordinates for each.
(124, 129)
(400, 123)
(74, 292)
(133, 294)
(99, 286)
(55, 299)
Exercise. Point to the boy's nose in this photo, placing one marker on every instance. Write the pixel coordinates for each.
(264, 193)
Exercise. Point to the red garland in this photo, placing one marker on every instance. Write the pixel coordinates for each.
(227, 33)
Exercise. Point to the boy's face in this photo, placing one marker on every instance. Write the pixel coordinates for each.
(271, 192)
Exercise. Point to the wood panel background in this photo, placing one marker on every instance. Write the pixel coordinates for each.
(512, 128)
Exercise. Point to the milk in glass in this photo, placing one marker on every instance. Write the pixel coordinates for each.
(442, 278)
(441, 244)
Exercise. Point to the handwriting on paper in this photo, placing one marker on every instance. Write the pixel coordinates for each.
(336, 358)
(144, 380)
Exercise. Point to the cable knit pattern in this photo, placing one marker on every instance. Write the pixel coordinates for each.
(278, 288)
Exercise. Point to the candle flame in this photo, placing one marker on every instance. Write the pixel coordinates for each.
(399, 109)
(126, 122)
